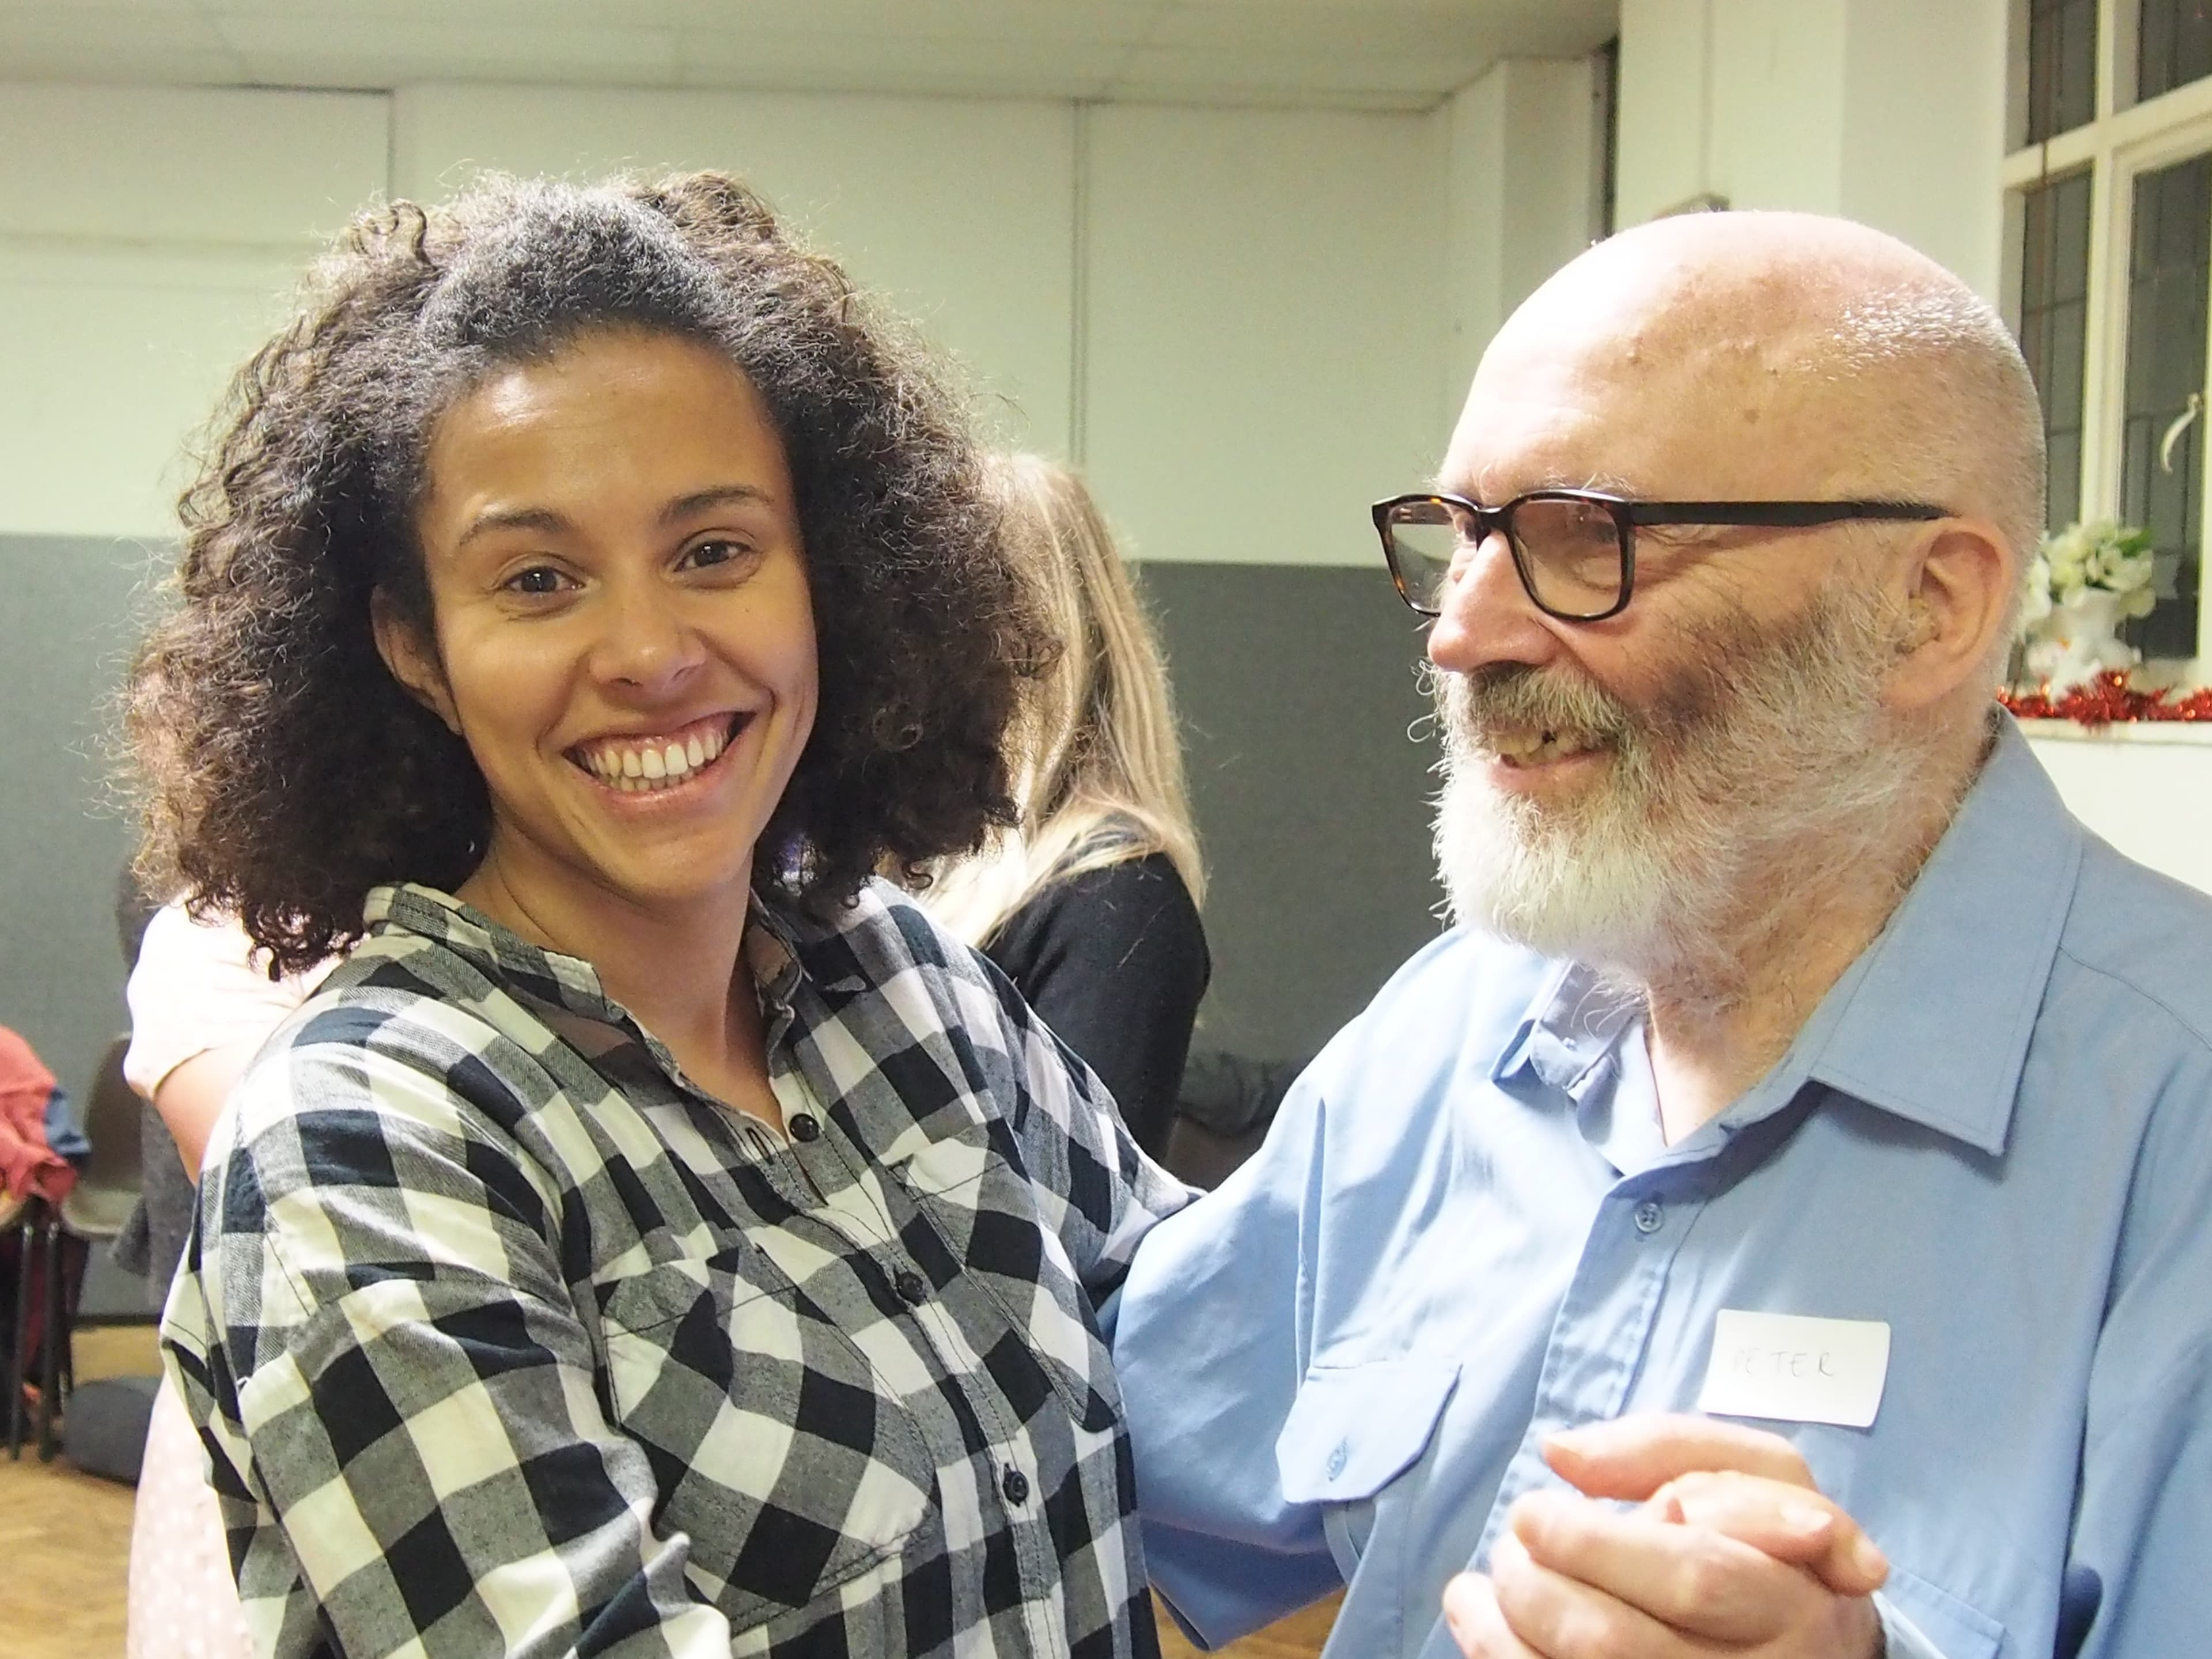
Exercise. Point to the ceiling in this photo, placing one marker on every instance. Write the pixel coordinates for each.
(1354, 54)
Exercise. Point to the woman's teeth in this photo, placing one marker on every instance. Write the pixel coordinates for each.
(635, 767)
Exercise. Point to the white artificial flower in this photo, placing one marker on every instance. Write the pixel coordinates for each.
(2035, 603)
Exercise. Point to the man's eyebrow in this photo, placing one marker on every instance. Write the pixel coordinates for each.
(1603, 484)
(699, 500)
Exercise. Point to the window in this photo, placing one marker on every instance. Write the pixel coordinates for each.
(2174, 45)
(2061, 66)
(2054, 326)
(2110, 215)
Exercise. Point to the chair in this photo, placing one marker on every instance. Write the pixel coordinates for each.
(93, 1213)
(25, 1216)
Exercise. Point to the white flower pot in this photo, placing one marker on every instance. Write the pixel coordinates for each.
(2078, 641)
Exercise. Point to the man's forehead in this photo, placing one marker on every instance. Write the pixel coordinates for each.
(1638, 404)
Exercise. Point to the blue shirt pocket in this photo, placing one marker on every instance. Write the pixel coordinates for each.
(1354, 1429)
(1955, 1630)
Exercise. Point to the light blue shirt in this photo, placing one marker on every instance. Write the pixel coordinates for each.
(1995, 1134)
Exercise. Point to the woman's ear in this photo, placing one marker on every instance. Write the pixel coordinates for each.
(1958, 593)
(409, 657)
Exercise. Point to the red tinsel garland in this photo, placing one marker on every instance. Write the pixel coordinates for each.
(2106, 700)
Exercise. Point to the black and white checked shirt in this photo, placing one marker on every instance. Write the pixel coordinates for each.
(506, 1339)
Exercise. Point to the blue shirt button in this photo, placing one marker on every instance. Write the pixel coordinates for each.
(1649, 1216)
(1337, 1460)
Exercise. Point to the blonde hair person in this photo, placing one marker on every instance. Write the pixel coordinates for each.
(1089, 902)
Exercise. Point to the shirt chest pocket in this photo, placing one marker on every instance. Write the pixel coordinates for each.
(774, 1447)
(1355, 1428)
(986, 1211)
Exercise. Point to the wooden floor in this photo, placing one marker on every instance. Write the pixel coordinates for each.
(65, 1537)
(1298, 1637)
(65, 1544)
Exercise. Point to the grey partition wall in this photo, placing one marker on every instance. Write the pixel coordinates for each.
(69, 604)
(1295, 690)
(1295, 685)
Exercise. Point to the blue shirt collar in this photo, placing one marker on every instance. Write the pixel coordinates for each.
(1932, 1021)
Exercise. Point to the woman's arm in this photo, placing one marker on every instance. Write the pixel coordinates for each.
(379, 1337)
(190, 1097)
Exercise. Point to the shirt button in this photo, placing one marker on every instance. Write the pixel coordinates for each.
(910, 1285)
(1016, 1486)
(804, 1127)
(1337, 1459)
(1648, 1217)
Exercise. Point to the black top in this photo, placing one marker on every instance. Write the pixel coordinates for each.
(1115, 959)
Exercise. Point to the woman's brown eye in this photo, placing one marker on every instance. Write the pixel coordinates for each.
(538, 579)
(707, 553)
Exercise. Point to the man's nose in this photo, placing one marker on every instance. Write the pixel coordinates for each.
(1487, 615)
(645, 640)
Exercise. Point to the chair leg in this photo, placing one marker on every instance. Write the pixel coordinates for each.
(50, 1348)
(26, 1241)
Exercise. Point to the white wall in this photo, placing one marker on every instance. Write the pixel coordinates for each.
(1891, 111)
(1263, 327)
(1233, 316)
(146, 238)
(1520, 169)
(2148, 791)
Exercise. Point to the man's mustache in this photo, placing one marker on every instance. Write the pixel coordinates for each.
(1520, 697)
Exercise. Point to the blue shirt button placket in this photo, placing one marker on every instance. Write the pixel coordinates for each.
(1603, 1326)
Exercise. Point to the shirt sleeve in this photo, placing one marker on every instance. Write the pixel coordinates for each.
(377, 1333)
(2135, 1584)
(196, 987)
(1095, 1189)
(1211, 1336)
(1114, 961)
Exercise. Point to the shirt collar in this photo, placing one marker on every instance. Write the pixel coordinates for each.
(565, 982)
(1931, 1023)
(1936, 1028)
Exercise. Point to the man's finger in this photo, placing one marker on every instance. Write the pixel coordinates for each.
(1561, 1617)
(1782, 1519)
(1471, 1614)
(1688, 1577)
(1631, 1458)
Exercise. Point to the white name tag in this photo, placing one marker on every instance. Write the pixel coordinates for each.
(1796, 1369)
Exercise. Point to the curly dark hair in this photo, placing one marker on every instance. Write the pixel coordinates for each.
(283, 770)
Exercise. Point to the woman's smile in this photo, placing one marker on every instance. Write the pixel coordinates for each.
(658, 762)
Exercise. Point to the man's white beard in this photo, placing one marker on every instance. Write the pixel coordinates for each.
(1766, 764)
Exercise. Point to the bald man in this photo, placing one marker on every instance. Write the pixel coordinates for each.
(1777, 1218)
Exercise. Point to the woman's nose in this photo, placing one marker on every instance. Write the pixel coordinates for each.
(646, 641)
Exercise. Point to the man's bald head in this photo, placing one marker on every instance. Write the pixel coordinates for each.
(1803, 356)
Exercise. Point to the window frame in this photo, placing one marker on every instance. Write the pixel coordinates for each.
(2122, 138)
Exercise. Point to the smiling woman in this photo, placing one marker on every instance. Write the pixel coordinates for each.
(585, 595)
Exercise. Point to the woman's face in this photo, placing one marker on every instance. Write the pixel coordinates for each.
(624, 634)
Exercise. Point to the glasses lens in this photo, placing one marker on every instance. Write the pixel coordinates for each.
(1423, 534)
(1572, 552)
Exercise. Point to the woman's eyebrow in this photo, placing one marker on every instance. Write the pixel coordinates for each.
(542, 519)
(699, 500)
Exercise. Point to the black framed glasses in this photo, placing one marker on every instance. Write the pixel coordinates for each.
(1575, 549)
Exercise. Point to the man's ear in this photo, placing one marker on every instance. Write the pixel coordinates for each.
(408, 655)
(1958, 593)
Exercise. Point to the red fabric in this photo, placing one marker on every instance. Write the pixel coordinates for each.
(28, 1165)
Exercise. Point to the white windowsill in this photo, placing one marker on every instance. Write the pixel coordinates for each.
(2180, 731)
